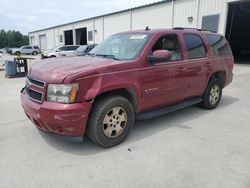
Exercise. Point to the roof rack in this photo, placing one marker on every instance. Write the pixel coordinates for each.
(190, 28)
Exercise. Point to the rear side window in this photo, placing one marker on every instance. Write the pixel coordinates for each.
(195, 46)
(219, 45)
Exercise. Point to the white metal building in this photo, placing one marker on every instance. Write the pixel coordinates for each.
(227, 17)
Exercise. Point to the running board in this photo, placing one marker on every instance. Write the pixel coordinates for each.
(168, 109)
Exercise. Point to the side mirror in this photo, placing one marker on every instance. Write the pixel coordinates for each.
(159, 56)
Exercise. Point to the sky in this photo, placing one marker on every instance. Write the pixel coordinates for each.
(29, 15)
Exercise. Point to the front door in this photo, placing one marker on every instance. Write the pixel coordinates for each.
(164, 83)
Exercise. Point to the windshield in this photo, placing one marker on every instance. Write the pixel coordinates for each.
(81, 48)
(121, 46)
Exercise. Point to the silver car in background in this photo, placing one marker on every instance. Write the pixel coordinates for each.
(34, 50)
(56, 51)
(81, 50)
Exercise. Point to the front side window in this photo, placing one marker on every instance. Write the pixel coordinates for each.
(170, 43)
(121, 46)
(219, 45)
(195, 46)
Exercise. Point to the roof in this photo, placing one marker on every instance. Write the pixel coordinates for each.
(125, 10)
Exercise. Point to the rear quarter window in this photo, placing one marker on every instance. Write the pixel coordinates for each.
(219, 45)
(195, 46)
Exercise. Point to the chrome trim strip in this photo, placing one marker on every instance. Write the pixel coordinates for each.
(29, 80)
(33, 98)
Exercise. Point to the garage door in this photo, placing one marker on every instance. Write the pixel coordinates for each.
(42, 42)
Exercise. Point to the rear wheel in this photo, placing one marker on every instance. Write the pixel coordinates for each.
(18, 53)
(212, 95)
(110, 121)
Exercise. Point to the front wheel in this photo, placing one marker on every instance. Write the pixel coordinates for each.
(18, 53)
(34, 53)
(110, 121)
(212, 95)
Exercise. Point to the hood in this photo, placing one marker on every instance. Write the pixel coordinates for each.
(55, 70)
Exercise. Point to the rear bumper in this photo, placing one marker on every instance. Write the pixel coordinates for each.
(63, 119)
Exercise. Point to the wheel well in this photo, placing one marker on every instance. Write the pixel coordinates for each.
(129, 94)
(221, 75)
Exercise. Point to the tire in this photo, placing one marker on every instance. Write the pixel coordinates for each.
(110, 121)
(18, 53)
(212, 95)
(34, 53)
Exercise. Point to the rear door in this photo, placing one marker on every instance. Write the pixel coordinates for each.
(164, 83)
(197, 63)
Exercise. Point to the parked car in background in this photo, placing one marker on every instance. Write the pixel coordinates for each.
(55, 52)
(9, 50)
(34, 50)
(130, 75)
(5, 50)
(82, 50)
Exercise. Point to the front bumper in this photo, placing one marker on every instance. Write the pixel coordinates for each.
(63, 119)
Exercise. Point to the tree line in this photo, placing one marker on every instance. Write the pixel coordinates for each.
(12, 39)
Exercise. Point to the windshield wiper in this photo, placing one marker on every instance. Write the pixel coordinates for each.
(90, 54)
(103, 55)
(107, 56)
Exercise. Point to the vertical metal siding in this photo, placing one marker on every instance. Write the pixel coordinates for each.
(50, 39)
(99, 30)
(184, 9)
(157, 16)
(116, 23)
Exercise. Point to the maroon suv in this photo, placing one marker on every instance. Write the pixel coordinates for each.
(130, 75)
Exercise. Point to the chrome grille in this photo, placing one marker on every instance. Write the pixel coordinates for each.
(35, 89)
(35, 82)
(34, 95)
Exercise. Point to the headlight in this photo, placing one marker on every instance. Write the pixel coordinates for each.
(62, 93)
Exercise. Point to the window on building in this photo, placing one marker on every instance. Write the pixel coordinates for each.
(219, 45)
(90, 35)
(195, 46)
(211, 22)
(61, 38)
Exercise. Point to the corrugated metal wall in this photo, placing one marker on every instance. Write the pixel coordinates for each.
(163, 15)
(159, 16)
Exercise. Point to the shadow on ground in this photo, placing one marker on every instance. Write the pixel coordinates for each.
(142, 129)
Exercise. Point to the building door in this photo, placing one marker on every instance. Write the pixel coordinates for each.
(42, 42)
(68, 37)
(238, 30)
(81, 36)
